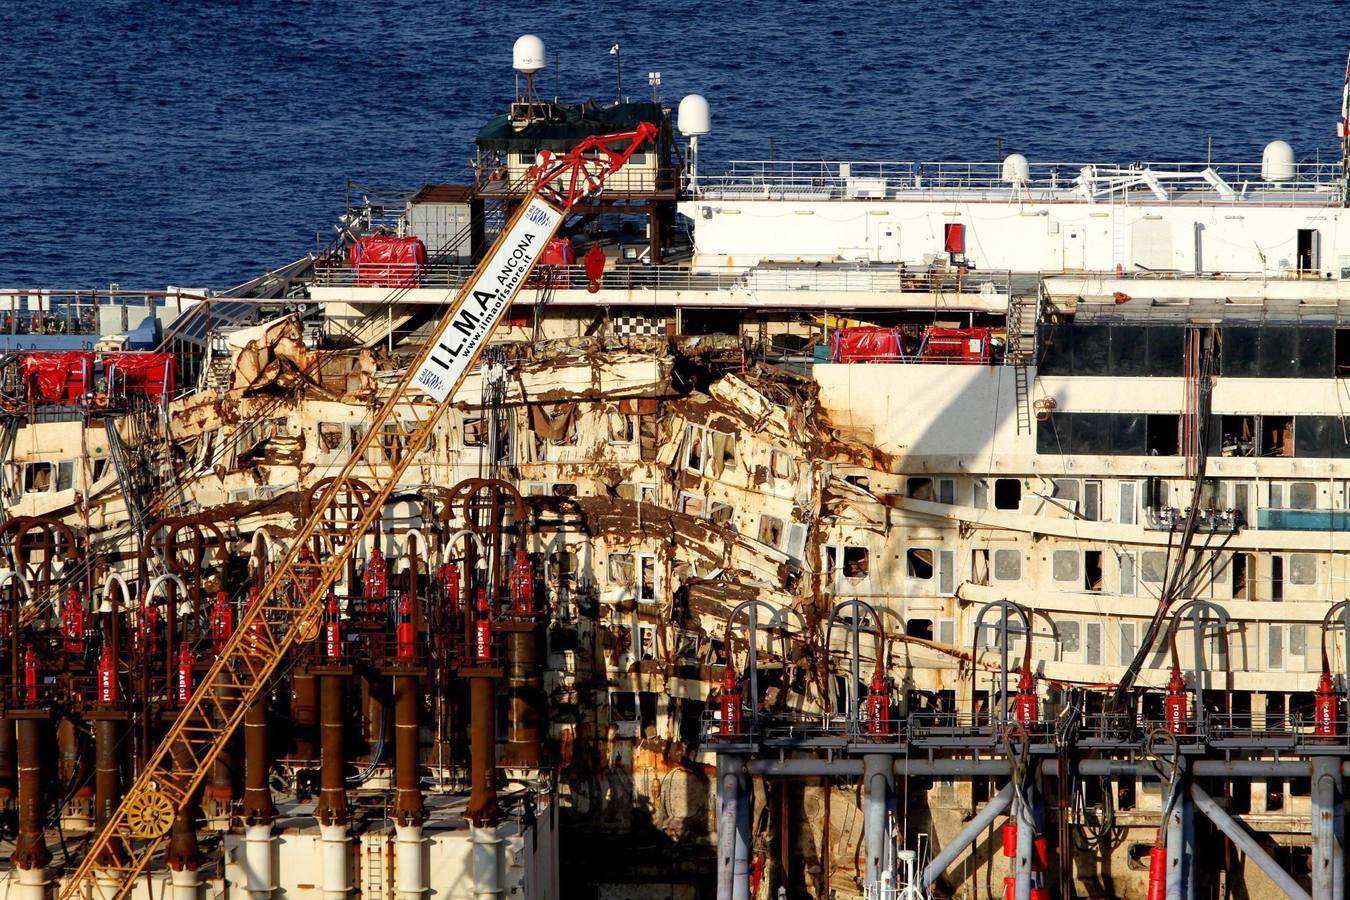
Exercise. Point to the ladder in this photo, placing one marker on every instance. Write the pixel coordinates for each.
(289, 606)
(1024, 313)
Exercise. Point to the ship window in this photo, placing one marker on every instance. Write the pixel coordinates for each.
(1153, 566)
(649, 583)
(862, 482)
(1237, 435)
(1092, 643)
(946, 631)
(1127, 502)
(1275, 647)
(770, 530)
(1298, 640)
(691, 505)
(855, 562)
(1092, 500)
(1241, 494)
(623, 706)
(980, 494)
(1008, 565)
(330, 436)
(693, 448)
(1240, 568)
(920, 628)
(1065, 565)
(1342, 352)
(1092, 570)
(919, 563)
(1276, 577)
(919, 488)
(1007, 493)
(621, 569)
(473, 431)
(1302, 568)
(1127, 646)
(1066, 492)
(392, 442)
(780, 463)
(1302, 495)
(1163, 436)
(1069, 637)
(564, 489)
(1126, 563)
(1277, 435)
(721, 514)
(620, 427)
(947, 490)
(37, 478)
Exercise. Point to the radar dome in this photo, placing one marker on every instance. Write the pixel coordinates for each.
(1016, 169)
(527, 56)
(1277, 162)
(693, 117)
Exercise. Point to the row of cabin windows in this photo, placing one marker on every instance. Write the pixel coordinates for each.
(1283, 647)
(1272, 351)
(845, 564)
(1160, 434)
(1234, 575)
(343, 437)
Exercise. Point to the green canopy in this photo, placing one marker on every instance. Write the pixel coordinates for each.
(578, 123)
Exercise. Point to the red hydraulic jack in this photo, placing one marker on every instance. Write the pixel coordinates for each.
(1157, 870)
(878, 706)
(1175, 705)
(184, 672)
(731, 703)
(483, 628)
(1024, 704)
(107, 677)
(522, 585)
(405, 636)
(1326, 718)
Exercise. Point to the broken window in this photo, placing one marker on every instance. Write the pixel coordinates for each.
(781, 464)
(1007, 493)
(475, 431)
(623, 706)
(920, 628)
(690, 505)
(919, 488)
(770, 530)
(831, 562)
(979, 566)
(855, 562)
(621, 570)
(1302, 568)
(1092, 570)
(648, 579)
(919, 563)
(561, 565)
(721, 514)
(647, 493)
(1241, 571)
(1237, 435)
(97, 469)
(1162, 434)
(1008, 565)
(65, 475)
(564, 489)
(859, 481)
(693, 448)
(1065, 566)
(1153, 566)
(980, 494)
(37, 478)
(392, 442)
(620, 427)
(1066, 492)
(330, 437)
(721, 452)
(1277, 435)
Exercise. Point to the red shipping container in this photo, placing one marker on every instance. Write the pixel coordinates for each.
(958, 345)
(54, 377)
(150, 374)
(868, 344)
(385, 261)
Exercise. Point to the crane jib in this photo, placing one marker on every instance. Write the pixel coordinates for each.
(486, 300)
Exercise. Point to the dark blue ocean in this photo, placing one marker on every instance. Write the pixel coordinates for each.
(199, 143)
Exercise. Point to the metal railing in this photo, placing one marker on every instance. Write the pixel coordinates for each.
(842, 179)
(881, 278)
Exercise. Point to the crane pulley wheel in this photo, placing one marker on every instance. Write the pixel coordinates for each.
(150, 815)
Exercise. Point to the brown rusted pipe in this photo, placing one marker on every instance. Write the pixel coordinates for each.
(107, 770)
(30, 850)
(304, 712)
(524, 700)
(7, 771)
(483, 810)
(257, 807)
(408, 809)
(332, 805)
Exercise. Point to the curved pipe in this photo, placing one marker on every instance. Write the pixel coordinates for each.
(115, 580)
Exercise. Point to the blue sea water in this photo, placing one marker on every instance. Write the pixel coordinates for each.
(197, 144)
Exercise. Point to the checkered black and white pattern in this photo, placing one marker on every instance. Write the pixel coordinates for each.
(630, 324)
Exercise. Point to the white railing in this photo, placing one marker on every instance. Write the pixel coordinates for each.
(882, 278)
(798, 179)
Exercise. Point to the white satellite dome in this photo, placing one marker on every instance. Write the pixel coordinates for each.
(693, 117)
(1277, 162)
(1016, 169)
(527, 56)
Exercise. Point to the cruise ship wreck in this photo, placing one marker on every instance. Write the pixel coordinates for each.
(801, 530)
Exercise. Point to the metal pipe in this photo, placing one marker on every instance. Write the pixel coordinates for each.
(409, 812)
(31, 856)
(996, 807)
(875, 802)
(332, 806)
(1247, 844)
(483, 809)
(8, 772)
(107, 770)
(728, 801)
(486, 858)
(1206, 768)
(1026, 837)
(524, 699)
(184, 856)
(336, 878)
(257, 809)
(1328, 870)
(741, 867)
(1180, 852)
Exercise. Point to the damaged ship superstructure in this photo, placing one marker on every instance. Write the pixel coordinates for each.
(749, 561)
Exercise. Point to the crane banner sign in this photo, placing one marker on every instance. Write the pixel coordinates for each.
(486, 299)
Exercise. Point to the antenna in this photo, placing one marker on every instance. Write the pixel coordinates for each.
(654, 79)
(618, 74)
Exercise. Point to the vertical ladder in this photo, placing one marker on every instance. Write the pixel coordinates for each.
(375, 864)
(1023, 316)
